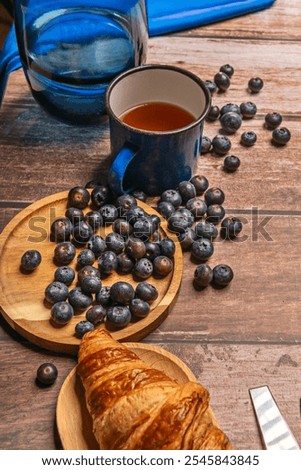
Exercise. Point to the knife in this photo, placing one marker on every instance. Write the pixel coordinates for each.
(275, 431)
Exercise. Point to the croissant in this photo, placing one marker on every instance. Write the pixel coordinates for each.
(134, 406)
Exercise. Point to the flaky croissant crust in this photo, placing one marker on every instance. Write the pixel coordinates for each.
(134, 406)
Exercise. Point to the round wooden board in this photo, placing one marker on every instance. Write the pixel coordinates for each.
(74, 422)
(22, 295)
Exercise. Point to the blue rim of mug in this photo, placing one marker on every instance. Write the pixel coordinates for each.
(189, 74)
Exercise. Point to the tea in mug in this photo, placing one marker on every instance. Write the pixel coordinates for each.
(157, 116)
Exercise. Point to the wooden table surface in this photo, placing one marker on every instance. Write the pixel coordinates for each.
(233, 339)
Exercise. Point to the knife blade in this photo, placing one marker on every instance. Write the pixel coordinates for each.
(274, 429)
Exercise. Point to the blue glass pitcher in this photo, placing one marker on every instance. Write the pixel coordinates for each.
(70, 50)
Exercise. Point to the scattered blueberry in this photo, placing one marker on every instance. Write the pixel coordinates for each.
(146, 291)
(134, 214)
(202, 249)
(96, 314)
(231, 163)
(152, 249)
(125, 263)
(122, 292)
(109, 213)
(162, 266)
(197, 207)
(115, 242)
(221, 144)
(78, 197)
(74, 214)
(255, 84)
(167, 247)
(205, 145)
(82, 232)
(172, 196)
(79, 299)
(222, 275)
(205, 229)
(222, 81)
(143, 268)
(61, 229)
(100, 195)
(47, 373)
(30, 260)
(215, 213)
(187, 238)
(64, 274)
(230, 108)
(180, 221)
(125, 202)
(118, 316)
(211, 86)
(248, 109)
(248, 138)
(166, 209)
(227, 69)
(200, 183)
(122, 227)
(90, 284)
(273, 120)
(87, 271)
(213, 113)
(96, 244)
(203, 275)
(94, 219)
(85, 257)
(139, 308)
(107, 262)
(103, 297)
(56, 292)
(186, 190)
(281, 136)
(230, 122)
(140, 195)
(135, 248)
(230, 227)
(214, 196)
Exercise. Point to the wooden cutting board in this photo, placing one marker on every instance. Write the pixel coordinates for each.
(73, 420)
(22, 295)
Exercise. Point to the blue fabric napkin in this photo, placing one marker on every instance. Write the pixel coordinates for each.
(167, 16)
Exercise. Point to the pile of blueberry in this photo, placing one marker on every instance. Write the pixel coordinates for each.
(230, 118)
(133, 244)
(193, 212)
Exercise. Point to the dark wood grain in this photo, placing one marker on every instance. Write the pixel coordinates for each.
(246, 335)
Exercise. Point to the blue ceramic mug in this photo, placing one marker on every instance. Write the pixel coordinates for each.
(155, 160)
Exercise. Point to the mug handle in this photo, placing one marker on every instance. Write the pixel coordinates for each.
(119, 167)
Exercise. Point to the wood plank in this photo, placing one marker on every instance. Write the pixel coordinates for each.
(280, 21)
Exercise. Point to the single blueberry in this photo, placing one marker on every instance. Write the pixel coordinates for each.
(222, 81)
(83, 327)
(172, 196)
(162, 266)
(146, 291)
(139, 308)
(166, 209)
(30, 260)
(222, 275)
(213, 113)
(79, 299)
(115, 242)
(273, 120)
(202, 249)
(143, 268)
(230, 122)
(200, 183)
(61, 313)
(56, 292)
(197, 207)
(78, 197)
(255, 84)
(107, 262)
(205, 145)
(97, 244)
(64, 274)
(118, 316)
(248, 109)
(215, 213)
(248, 138)
(122, 292)
(231, 163)
(214, 196)
(281, 136)
(221, 144)
(61, 230)
(206, 229)
(203, 275)
(227, 69)
(85, 257)
(96, 314)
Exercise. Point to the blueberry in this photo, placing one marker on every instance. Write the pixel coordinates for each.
(172, 196)
(230, 122)
(200, 183)
(83, 327)
(180, 221)
(197, 207)
(230, 108)
(79, 299)
(213, 113)
(248, 138)
(139, 308)
(107, 262)
(30, 260)
(206, 229)
(152, 249)
(205, 145)
(162, 266)
(103, 297)
(125, 264)
(248, 109)
(231, 163)
(187, 238)
(82, 232)
(202, 249)
(61, 313)
(87, 271)
(85, 257)
(96, 314)
(90, 284)
(96, 244)
(56, 292)
(78, 197)
(135, 248)
(125, 202)
(64, 274)
(230, 227)
(211, 86)
(222, 81)
(115, 242)
(155, 221)
(227, 69)
(281, 136)
(143, 228)
(273, 120)
(255, 84)
(143, 268)
(109, 213)
(186, 190)
(146, 291)
(134, 214)
(74, 214)
(156, 237)
(214, 196)
(100, 195)
(167, 247)
(61, 230)
(94, 219)
(222, 275)
(118, 316)
(215, 213)
(122, 227)
(203, 275)
(122, 292)
(47, 373)
(140, 195)
(166, 209)
(221, 144)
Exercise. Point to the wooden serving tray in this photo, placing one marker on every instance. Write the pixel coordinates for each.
(22, 295)
(74, 422)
